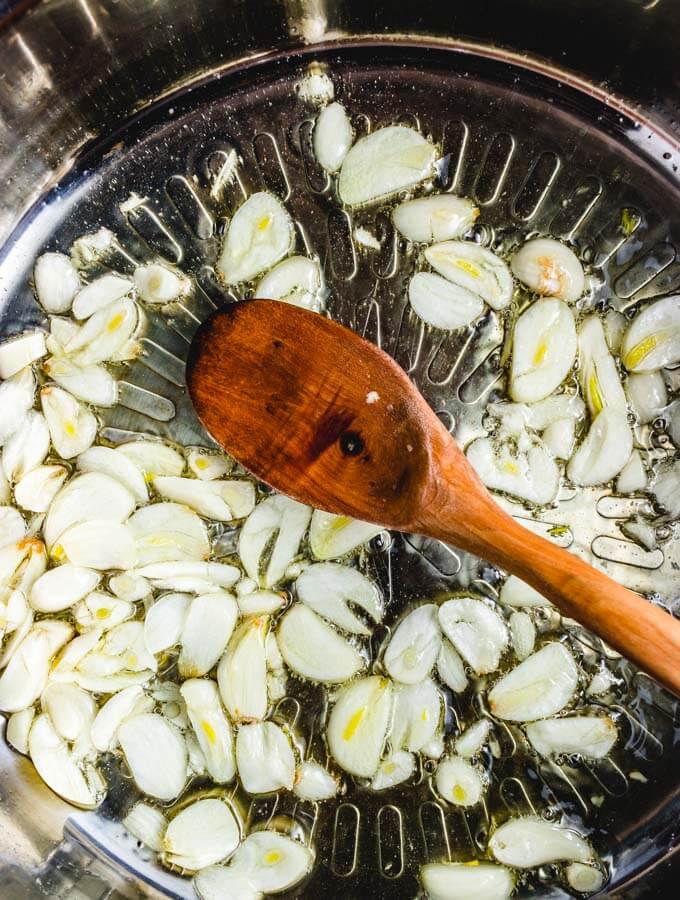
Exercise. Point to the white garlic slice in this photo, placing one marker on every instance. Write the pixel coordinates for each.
(589, 736)
(463, 881)
(442, 304)
(441, 217)
(168, 532)
(633, 476)
(528, 842)
(16, 398)
(22, 563)
(475, 630)
(522, 633)
(156, 755)
(395, 769)
(274, 862)
(314, 650)
(358, 725)
(100, 293)
(530, 474)
(276, 516)
(473, 268)
(20, 351)
(604, 451)
(259, 235)
(110, 684)
(328, 587)
(219, 574)
(153, 457)
(450, 668)
(383, 163)
(14, 612)
(61, 588)
(98, 544)
(414, 646)
(647, 395)
(313, 782)
(27, 447)
(126, 641)
(332, 536)
(164, 622)
(93, 247)
(264, 758)
(549, 267)
(118, 466)
(70, 708)
(201, 835)
(584, 879)
(653, 339)
(25, 675)
(157, 283)
(539, 687)
(225, 883)
(104, 334)
(36, 490)
(242, 672)
(72, 427)
(519, 594)
(119, 707)
(12, 526)
(459, 782)
(84, 498)
(205, 633)
(75, 651)
(56, 765)
(147, 824)
(130, 586)
(56, 282)
(295, 280)
(102, 610)
(473, 739)
(260, 603)
(544, 349)
(207, 465)
(559, 438)
(91, 384)
(417, 712)
(218, 500)
(666, 488)
(18, 729)
(332, 137)
(597, 373)
(211, 727)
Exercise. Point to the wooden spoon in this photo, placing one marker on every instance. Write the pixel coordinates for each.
(322, 415)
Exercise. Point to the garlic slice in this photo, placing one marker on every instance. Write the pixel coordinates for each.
(647, 395)
(103, 610)
(164, 622)
(332, 137)
(473, 739)
(168, 532)
(259, 235)
(331, 537)
(591, 737)
(75, 651)
(70, 708)
(633, 476)
(264, 758)
(60, 588)
(158, 284)
(56, 282)
(72, 427)
(604, 451)
(441, 217)
(559, 438)
(91, 384)
(549, 267)
(295, 280)
(441, 303)
(201, 835)
(280, 516)
(597, 373)
(584, 879)
(214, 573)
(314, 783)
(211, 727)
(358, 725)
(666, 488)
(112, 714)
(450, 668)
(117, 466)
(530, 474)
(414, 646)
(25, 675)
(104, 334)
(130, 586)
(18, 729)
(528, 842)
(36, 490)
(459, 782)
(20, 351)
(16, 398)
(225, 883)
(383, 163)
(328, 587)
(218, 500)
(314, 650)
(539, 687)
(27, 447)
(523, 634)
(207, 465)
(463, 881)
(147, 824)
(207, 628)
(395, 769)
(98, 544)
(475, 630)
(473, 268)
(544, 349)
(100, 293)
(242, 672)
(417, 712)
(93, 247)
(653, 339)
(260, 603)
(83, 499)
(156, 755)
(274, 862)
(55, 764)
(519, 594)
(12, 526)
(153, 457)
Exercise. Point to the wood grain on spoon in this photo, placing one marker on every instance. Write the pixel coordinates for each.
(324, 416)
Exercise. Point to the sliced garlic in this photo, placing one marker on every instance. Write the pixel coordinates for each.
(153, 457)
(12, 526)
(70, 708)
(57, 767)
(417, 712)
(589, 736)
(332, 137)
(633, 476)
(147, 824)
(168, 532)
(215, 574)
(75, 651)
(474, 269)
(274, 862)
(242, 672)
(604, 451)
(61, 588)
(473, 739)
(259, 235)
(218, 500)
(328, 587)
(27, 447)
(528, 842)
(130, 586)
(358, 725)
(518, 593)
(459, 782)
(559, 438)
(91, 384)
(56, 282)
(118, 466)
(36, 490)
(314, 650)
(276, 516)
(100, 293)
(83, 499)
(647, 395)
(295, 280)
(475, 630)
(539, 687)
(103, 610)
(666, 488)
(211, 727)
(112, 714)
(206, 465)
(98, 544)
(614, 327)
(110, 684)
(16, 398)
(225, 883)
(395, 769)
(653, 339)
(93, 247)
(201, 835)
(584, 879)
(523, 634)
(164, 622)
(544, 349)
(104, 334)
(156, 755)
(331, 536)
(20, 351)
(205, 633)
(25, 675)
(438, 218)
(464, 881)
(549, 267)
(260, 603)
(264, 758)
(18, 729)
(441, 303)
(158, 283)
(597, 373)
(414, 646)
(383, 163)
(450, 668)
(72, 427)
(313, 782)
(530, 474)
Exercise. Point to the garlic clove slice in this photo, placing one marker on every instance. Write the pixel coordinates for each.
(559, 438)
(12, 526)
(103, 334)
(519, 594)
(395, 769)
(264, 758)
(327, 588)
(91, 384)
(463, 881)
(110, 684)
(164, 622)
(153, 457)
(117, 466)
(242, 671)
(220, 574)
(100, 293)
(647, 395)
(414, 646)
(652, 340)
(441, 303)
(591, 737)
(130, 586)
(473, 268)
(539, 687)
(25, 675)
(522, 634)
(57, 767)
(473, 739)
(531, 475)
(314, 650)
(597, 372)
(27, 447)
(70, 708)
(93, 247)
(156, 755)
(225, 883)
(18, 729)
(331, 536)
(529, 842)
(260, 603)
(56, 282)
(111, 716)
(208, 465)
(332, 137)
(211, 727)
(633, 476)
(459, 782)
(383, 163)
(417, 713)
(544, 349)
(168, 532)
(147, 824)
(218, 500)
(83, 499)
(358, 725)
(75, 651)
(437, 218)
(16, 398)
(549, 267)
(604, 451)
(207, 628)
(102, 610)
(61, 588)
(201, 835)
(313, 782)
(584, 879)
(274, 862)
(278, 517)
(295, 280)
(36, 490)
(450, 668)
(73, 428)
(158, 284)
(259, 235)
(475, 630)
(98, 544)
(666, 488)
(20, 351)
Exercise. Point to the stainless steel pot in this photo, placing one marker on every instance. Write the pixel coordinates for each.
(554, 117)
